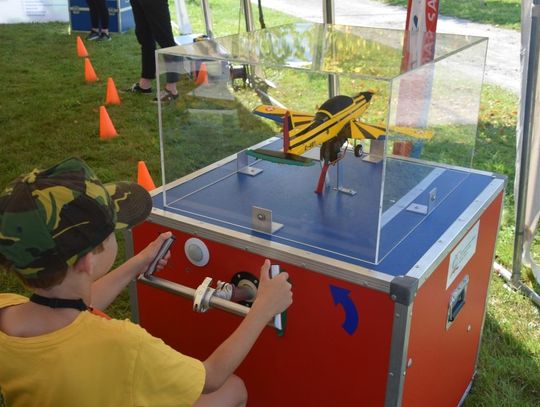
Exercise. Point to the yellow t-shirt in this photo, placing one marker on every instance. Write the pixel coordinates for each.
(95, 362)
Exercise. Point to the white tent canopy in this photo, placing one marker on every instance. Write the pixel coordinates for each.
(33, 11)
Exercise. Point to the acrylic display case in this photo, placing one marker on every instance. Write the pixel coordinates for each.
(434, 107)
(387, 233)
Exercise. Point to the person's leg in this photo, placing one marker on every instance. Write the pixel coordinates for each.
(159, 22)
(147, 43)
(104, 18)
(233, 393)
(94, 20)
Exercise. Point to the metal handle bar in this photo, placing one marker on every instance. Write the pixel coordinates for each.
(189, 293)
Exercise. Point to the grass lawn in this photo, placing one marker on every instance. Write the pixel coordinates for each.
(48, 112)
(502, 13)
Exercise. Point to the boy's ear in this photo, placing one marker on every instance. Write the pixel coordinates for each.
(85, 264)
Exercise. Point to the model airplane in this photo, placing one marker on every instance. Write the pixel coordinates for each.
(334, 123)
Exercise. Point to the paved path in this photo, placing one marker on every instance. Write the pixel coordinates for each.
(502, 65)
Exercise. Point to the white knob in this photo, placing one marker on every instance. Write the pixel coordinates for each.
(196, 252)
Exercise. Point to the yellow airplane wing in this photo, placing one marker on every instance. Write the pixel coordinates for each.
(411, 132)
(277, 114)
(361, 130)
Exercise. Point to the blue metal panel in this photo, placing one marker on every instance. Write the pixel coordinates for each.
(120, 15)
(336, 225)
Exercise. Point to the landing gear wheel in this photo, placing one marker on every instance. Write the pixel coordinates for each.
(358, 150)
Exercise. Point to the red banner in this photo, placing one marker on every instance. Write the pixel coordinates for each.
(418, 49)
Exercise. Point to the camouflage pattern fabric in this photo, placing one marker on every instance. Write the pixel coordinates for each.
(51, 218)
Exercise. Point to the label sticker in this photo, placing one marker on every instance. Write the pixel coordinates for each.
(461, 255)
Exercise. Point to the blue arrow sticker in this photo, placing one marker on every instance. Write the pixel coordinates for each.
(341, 297)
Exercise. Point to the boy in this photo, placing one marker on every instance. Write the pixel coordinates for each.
(57, 234)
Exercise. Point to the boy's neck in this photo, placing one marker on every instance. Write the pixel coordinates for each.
(77, 304)
(75, 286)
(30, 319)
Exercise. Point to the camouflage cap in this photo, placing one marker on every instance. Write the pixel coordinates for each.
(53, 217)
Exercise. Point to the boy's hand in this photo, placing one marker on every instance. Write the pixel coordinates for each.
(274, 295)
(146, 255)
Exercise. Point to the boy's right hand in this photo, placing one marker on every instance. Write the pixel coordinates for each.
(145, 256)
(274, 295)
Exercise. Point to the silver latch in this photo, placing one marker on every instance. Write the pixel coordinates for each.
(261, 220)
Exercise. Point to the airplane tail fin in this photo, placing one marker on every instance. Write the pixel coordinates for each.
(286, 137)
(277, 114)
(361, 130)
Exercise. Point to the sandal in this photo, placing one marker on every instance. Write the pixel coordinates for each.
(165, 96)
(136, 88)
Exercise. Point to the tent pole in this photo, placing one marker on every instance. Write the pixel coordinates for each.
(207, 16)
(329, 13)
(182, 17)
(525, 290)
(329, 17)
(248, 15)
(528, 123)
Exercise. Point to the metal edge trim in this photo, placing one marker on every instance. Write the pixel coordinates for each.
(429, 261)
(114, 10)
(301, 258)
(399, 348)
(467, 391)
(483, 323)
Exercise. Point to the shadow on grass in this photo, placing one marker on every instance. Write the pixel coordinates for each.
(505, 361)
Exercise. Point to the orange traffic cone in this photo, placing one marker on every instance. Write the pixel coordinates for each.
(106, 127)
(143, 177)
(112, 97)
(81, 49)
(89, 73)
(202, 77)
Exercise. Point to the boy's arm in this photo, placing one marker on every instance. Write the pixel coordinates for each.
(273, 297)
(107, 288)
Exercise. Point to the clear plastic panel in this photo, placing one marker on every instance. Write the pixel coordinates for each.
(433, 121)
(416, 123)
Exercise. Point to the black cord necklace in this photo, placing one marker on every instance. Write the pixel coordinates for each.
(59, 302)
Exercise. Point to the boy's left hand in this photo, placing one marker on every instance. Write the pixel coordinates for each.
(148, 254)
